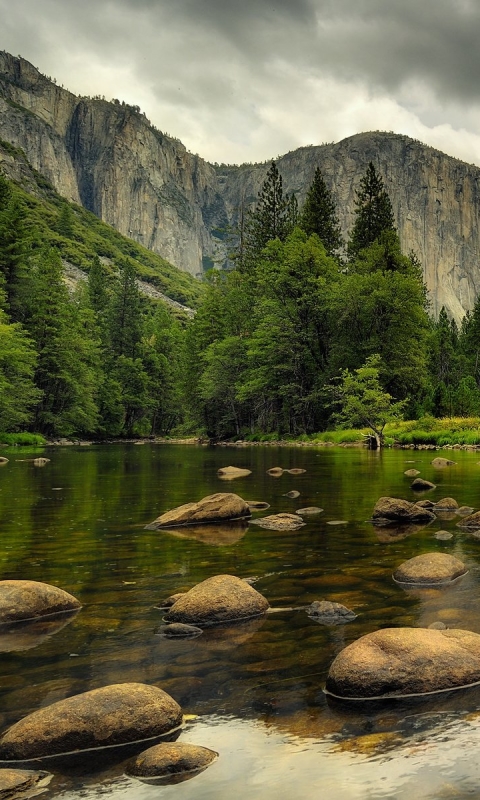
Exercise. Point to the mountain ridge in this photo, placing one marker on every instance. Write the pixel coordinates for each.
(109, 158)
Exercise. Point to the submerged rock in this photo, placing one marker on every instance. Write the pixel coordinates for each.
(395, 662)
(329, 613)
(430, 569)
(3, 460)
(112, 715)
(179, 630)
(472, 522)
(171, 760)
(229, 473)
(221, 599)
(421, 485)
(24, 600)
(218, 507)
(440, 463)
(275, 472)
(443, 536)
(308, 511)
(17, 783)
(392, 509)
(219, 534)
(293, 494)
(412, 473)
(296, 471)
(279, 522)
(464, 511)
(40, 462)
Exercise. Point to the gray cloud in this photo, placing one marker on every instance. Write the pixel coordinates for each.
(265, 73)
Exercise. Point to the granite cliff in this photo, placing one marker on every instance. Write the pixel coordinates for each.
(108, 157)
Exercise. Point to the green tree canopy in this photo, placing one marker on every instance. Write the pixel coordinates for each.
(362, 402)
(318, 215)
(373, 212)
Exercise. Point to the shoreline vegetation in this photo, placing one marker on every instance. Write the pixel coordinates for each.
(426, 433)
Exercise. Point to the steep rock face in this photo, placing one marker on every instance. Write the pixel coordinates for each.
(435, 199)
(108, 157)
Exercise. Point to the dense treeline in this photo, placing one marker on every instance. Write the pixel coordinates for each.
(309, 331)
(306, 332)
(103, 361)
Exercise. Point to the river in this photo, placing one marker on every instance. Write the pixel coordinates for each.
(252, 692)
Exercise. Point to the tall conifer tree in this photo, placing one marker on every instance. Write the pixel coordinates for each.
(319, 216)
(374, 212)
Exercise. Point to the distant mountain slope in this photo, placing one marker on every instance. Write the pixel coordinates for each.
(89, 236)
(108, 157)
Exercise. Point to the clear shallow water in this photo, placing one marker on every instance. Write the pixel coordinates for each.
(256, 690)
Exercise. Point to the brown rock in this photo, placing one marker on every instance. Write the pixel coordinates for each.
(293, 494)
(392, 509)
(446, 504)
(421, 485)
(411, 473)
(3, 460)
(23, 600)
(430, 569)
(296, 471)
(257, 505)
(443, 536)
(464, 511)
(171, 759)
(440, 463)
(395, 662)
(40, 462)
(218, 507)
(21, 782)
(425, 503)
(221, 599)
(309, 510)
(329, 613)
(112, 715)
(275, 472)
(472, 522)
(229, 473)
(279, 522)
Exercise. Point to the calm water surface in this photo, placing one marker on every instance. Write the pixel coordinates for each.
(253, 692)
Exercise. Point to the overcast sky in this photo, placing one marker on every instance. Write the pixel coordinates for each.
(249, 80)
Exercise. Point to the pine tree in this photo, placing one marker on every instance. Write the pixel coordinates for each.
(269, 220)
(319, 216)
(125, 314)
(15, 248)
(374, 213)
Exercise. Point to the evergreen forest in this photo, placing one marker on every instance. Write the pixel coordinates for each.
(307, 333)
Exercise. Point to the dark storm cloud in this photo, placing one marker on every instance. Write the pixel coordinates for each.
(248, 71)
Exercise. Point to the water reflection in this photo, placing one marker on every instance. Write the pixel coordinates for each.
(257, 690)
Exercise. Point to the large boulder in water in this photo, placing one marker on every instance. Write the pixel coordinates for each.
(421, 485)
(430, 569)
(219, 507)
(221, 599)
(24, 600)
(441, 463)
(395, 662)
(392, 509)
(171, 760)
(112, 715)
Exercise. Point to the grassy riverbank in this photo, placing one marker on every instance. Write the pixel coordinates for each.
(446, 432)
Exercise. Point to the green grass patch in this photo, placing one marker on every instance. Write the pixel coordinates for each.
(22, 439)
